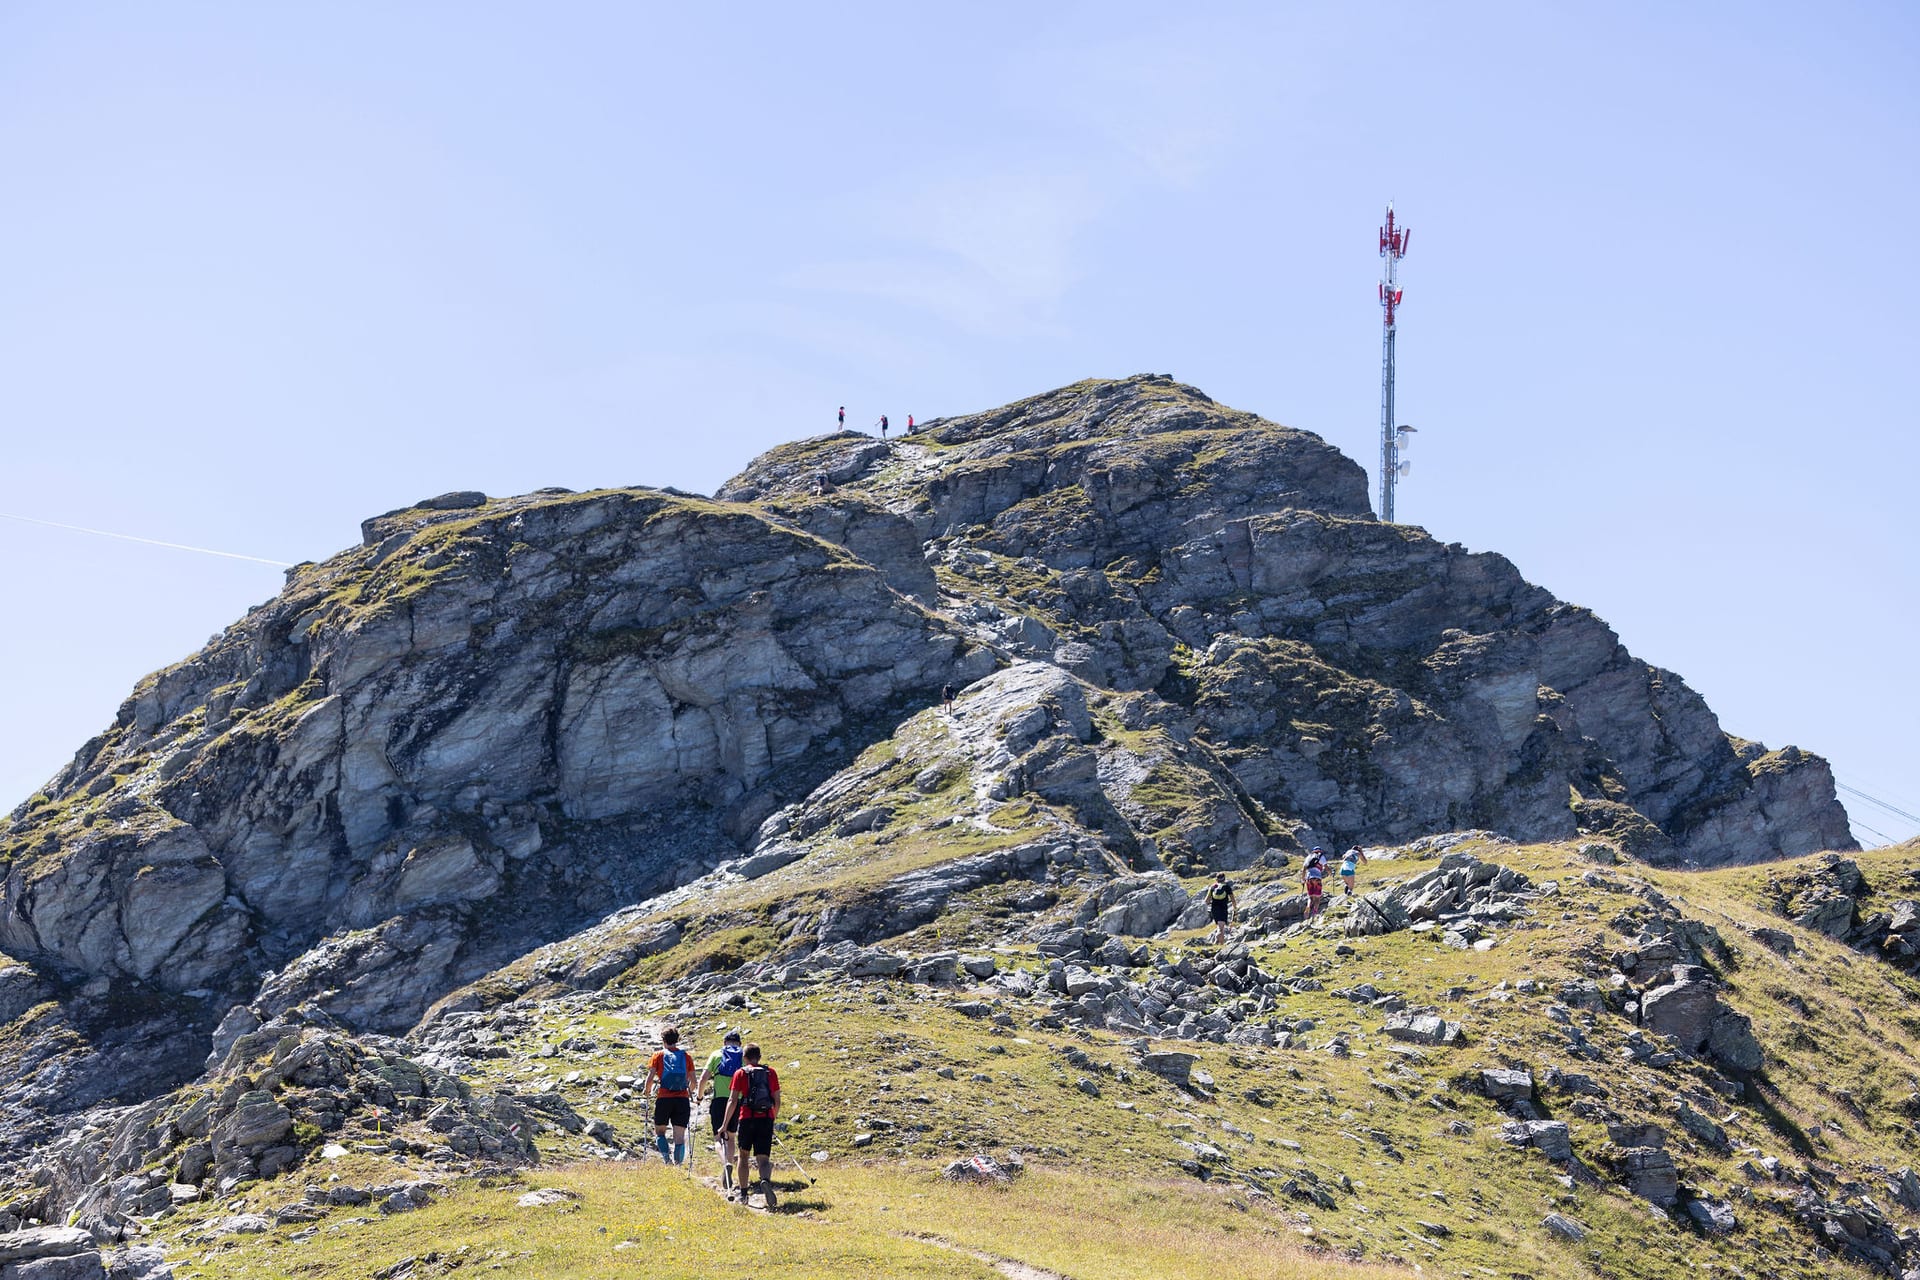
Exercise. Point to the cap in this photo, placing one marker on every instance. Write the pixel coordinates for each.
(732, 1037)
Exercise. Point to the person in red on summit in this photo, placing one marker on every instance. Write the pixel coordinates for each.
(756, 1101)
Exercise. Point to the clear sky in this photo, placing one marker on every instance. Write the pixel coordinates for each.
(268, 269)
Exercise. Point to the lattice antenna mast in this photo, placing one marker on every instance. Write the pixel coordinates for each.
(1393, 437)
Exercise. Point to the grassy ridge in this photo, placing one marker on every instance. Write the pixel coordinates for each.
(1406, 1157)
(901, 1221)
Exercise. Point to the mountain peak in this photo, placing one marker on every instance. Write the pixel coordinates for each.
(1017, 679)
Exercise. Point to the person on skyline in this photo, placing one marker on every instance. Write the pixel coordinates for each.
(883, 426)
(843, 417)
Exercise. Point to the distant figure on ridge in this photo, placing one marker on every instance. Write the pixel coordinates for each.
(843, 417)
(909, 424)
(1349, 867)
(1316, 877)
(1220, 904)
(883, 426)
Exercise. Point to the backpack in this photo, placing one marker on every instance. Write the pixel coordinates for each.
(730, 1060)
(1220, 892)
(759, 1091)
(673, 1070)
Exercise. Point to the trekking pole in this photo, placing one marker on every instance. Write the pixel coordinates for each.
(791, 1158)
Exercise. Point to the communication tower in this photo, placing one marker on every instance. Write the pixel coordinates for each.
(1394, 438)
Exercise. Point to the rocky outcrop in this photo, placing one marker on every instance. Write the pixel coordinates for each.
(1361, 677)
(282, 1094)
(1688, 1010)
(527, 712)
(1834, 898)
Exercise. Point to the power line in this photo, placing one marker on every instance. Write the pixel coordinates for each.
(1894, 809)
(152, 542)
(1885, 839)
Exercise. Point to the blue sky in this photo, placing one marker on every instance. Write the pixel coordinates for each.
(265, 270)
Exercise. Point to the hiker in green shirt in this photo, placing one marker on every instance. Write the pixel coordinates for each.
(721, 1064)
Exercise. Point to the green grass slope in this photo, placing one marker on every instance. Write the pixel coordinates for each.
(1343, 1152)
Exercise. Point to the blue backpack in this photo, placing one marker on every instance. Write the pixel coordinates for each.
(730, 1060)
(673, 1069)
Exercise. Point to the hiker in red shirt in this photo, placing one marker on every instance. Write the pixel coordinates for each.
(756, 1101)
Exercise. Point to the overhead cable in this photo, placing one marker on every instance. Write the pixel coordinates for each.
(152, 542)
(1894, 809)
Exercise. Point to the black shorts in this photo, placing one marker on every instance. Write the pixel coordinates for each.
(717, 1115)
(756, 1135)
(672, 1111)
(1220, 910)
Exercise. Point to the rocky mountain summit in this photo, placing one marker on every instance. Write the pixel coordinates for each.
(510, 756)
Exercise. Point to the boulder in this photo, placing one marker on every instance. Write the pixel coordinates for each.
(1702, 1127)
(1731, 1042)
(978, 1169)
(1139, 906)
(1169, 1064)
(1564, 1227)
(1422, 1028)
(1684, 1009)
(1504, 1085)
(1828, 913)
(1904, 1186)
(78, 1266)
(1649, 1173)
(1550, 1138)
(1715, 1217)
(44, 1242)
(257, 1121)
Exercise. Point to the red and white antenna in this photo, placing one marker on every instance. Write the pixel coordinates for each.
(1393, 437)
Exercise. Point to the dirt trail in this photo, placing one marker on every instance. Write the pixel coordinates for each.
(1012, 1268)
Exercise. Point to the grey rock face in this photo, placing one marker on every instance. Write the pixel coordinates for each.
(44, 1242)
(470, 711)
(1139, 907)
(1139, 515)
(1169, 1064)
